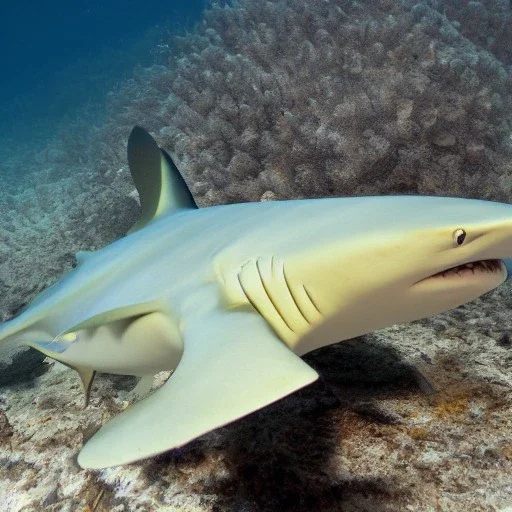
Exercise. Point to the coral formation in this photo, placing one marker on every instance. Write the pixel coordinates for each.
(488, 24)
(300, 99)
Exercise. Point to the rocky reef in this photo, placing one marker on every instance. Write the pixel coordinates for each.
(487, 24)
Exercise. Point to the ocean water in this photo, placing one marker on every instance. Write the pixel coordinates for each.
(58, 56)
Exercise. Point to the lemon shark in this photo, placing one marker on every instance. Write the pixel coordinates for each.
(229, 297)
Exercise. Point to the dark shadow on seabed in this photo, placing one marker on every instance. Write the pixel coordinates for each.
(280, 458)
(22, 368)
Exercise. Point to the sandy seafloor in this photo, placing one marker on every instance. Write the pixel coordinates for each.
(371, 435)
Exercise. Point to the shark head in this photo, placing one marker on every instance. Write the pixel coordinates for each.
(401, 259)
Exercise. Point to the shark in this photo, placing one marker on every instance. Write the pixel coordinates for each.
(230, 297)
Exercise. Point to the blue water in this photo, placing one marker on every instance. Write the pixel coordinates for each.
(59, 54)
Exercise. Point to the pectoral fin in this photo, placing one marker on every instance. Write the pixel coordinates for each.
(233, 364)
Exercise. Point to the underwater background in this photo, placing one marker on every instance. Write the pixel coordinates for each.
(60, 56)
(261, 100)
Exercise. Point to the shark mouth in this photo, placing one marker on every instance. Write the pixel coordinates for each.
(471, 268)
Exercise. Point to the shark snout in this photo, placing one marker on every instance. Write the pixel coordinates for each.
(495, 243)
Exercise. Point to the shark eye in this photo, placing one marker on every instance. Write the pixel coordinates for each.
(459, 235)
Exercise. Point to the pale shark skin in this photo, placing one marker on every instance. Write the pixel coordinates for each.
(231, 296)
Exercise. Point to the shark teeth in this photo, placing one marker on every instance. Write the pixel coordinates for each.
(474, 266)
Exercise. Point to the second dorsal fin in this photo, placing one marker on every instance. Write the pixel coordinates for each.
(161, 187)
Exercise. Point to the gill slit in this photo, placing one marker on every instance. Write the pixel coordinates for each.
(270, 297)
(296, 302)
(311, 299)
(251, 302)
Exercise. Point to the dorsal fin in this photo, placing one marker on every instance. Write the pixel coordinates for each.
(161, 187)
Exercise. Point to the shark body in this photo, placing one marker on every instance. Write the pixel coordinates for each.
(231, 296)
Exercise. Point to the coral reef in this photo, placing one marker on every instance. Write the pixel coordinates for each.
(488, 24)
(300, 99)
